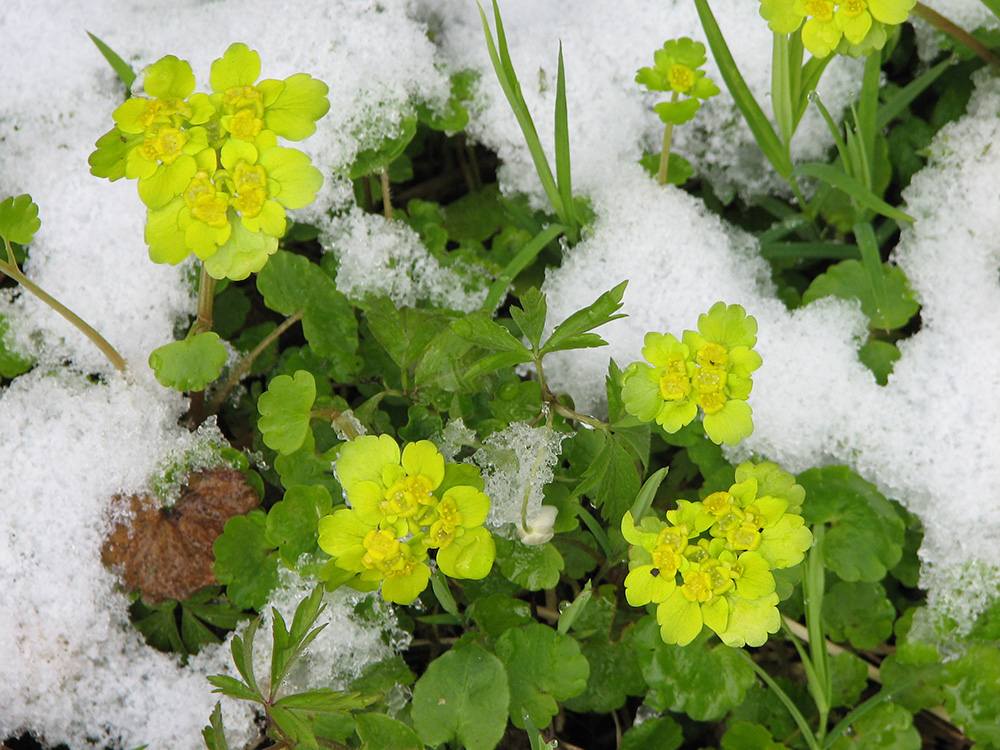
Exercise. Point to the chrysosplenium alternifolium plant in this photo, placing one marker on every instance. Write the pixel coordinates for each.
(853, 27)
(404, 504)
(210, 171)
(709, 369)
(710, 562)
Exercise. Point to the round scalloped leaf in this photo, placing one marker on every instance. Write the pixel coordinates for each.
(293, 523)
(543, 667)
(660, 732)
(535, 567)
(19, 219)
(285, 409)
(848, 280)
(245, 562)
(463, 696)
(848, 678)
(865, 538)
(742, 735)
(859, 612)
(191, 364)
(888, 726)
(702, 682)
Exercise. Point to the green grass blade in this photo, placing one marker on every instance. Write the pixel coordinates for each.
(893, 107)
(812, 71)
(504, 69)
(871, 259)
(994, 6)
(563, 176)
(868, 108)
(764, 134)
(120, 66)
(520, 261)
(834, 130)
(858, 192)
(782, 87)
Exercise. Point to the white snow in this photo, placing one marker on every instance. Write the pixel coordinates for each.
(74, 670)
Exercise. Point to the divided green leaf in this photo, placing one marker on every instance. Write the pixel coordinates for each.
(572, 333)
(285, 410)
(19, 219)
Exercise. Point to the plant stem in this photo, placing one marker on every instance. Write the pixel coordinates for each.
(955, 31)
(386, 198)
(797, 716)
(550, 398)
(99, 341)
(668, 134)
(206, 301)
(813, 585)
(247, 361)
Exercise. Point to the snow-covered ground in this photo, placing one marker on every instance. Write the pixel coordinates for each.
(74, 670)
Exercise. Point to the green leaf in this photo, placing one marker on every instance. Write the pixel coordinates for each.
(158, 625)
(325, 700)
(296, 727)
(852, 187)
(530, 317)
(233, 687)
(535, 567)
(109, 157)
(405, 333)
(462, 697)
(661, 732)
(866, 536)
(496, 613)
(858, 611)
(702, 682)
(122, 68)
(524, 258)
(482, 331)
(543, 667)
(614, 666)
(214, 734)
(647, 494)
(380, 732)
(444, 596)
(243, 560)
(285, 410)
(742, 735)
(445, 362)
(475, 216)
(292, 523)
(306, 466)
(11, 364)
(887, 726)
(568, 616)
(849, 280)
(879, 357)
(572, 332)
(191, 364)
(390, 148)
(612, 480)
(19, 219)
(848, 678)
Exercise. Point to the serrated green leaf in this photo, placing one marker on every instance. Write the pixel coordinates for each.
(535, 567)
(530, 316)
(293, 725)
(403, 333)
(496, 361)
(444, 363)
(866, 536)
(848, 280)
(292, 523)
(612, 480)
(19, 219)
(233, 687)
(196, 633)
(191, 364)
(702, 682)
(214, 734)
(380, 732)
(463, 696)
(858, 611)
(543, 667)
(497, 613)
(325, 700)
(243, 560)
(478, 328)
(886, 727)
(571, 333)
(285, 409)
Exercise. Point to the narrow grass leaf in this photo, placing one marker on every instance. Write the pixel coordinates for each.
(563, 176)
(803, 250)
(852, 187)
(645, 497)
(522, 260)
(871, 259)
(898, 102)
(120, 67)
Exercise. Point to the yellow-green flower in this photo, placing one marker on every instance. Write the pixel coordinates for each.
(709, 369)
(677, 69)
(412, 499)
(722, 579)
(852, 27)
(251, 108)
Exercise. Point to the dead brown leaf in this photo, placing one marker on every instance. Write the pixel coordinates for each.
(167, 552)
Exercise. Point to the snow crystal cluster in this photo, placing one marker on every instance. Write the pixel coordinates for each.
(76, 672)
